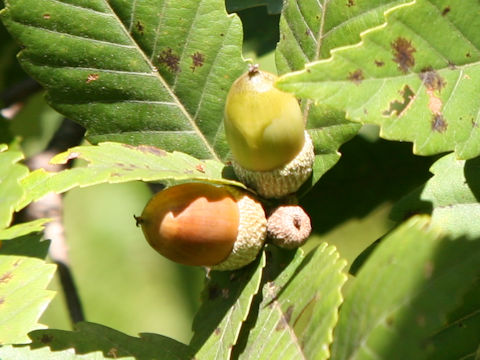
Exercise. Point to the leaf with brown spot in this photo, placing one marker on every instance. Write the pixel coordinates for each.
(430, 60)
(117, 163)
(225, 306)
(297, 314)
(392, 299)
(356, 76)
(142, 52)
(23, 284)
(403, 53)
(92, 77)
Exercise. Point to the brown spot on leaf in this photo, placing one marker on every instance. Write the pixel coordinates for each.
(428, 269)
(213, 292)
(474, 123)
(169, 59)
(285, 319)
(400, 107)
(439, 124)
(6, 277)
(2, 300)
(350, 3)
(148, 149)
(356, 76)
(197, 60)
(379, 63)
(46, 339)
(222, 34)
(113, 352)
(46, 16)
(403, 53)
(446, 10)
(468, 55)
(139, 26)
(421, 320)
(434, 83)
(218, 331)
(390, 320)
(432, 80)
(451, 65)
(92, 77)
(225, 293)
(200, 168)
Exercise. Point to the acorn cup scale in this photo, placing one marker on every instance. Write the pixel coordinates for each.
(203, 224)
(265, 130)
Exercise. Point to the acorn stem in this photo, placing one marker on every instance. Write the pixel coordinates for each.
(138, 220)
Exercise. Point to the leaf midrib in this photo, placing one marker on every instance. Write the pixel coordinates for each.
(165, 84)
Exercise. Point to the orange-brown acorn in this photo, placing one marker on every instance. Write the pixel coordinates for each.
(202, 224)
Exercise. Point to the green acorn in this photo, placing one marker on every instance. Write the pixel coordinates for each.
(265, 130)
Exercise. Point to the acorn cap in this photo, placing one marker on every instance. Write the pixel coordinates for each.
(289, 226)
(281, 181)
(252, 232)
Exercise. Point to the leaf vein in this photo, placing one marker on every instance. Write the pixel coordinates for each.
(80, 7)
(169, 89)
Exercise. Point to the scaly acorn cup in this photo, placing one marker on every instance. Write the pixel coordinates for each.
(265, 130)
(202, 224)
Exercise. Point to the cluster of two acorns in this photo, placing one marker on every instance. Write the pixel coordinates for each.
(224, 227)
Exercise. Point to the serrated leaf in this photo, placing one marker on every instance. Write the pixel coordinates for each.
(416, 76)
(88, 338)
(308, 31)
(23, 297)
(460, 337)
(450, 196)
(404, 292)
(227, 300)
(19, 230)
(150, 72)
(25, 353)
(11, 191)
(116, 163)
(299, 309)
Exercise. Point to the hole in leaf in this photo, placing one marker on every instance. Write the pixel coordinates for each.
(399, 107)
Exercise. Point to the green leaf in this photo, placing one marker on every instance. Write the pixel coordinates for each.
(308, 32)
(227, 301)
(273, 6)
(23, 297)
(460, 337)
(89, 337)
(404, 292)
(18, 230)
(10, 70)
(299, 308)
(407, 77)
(451, 197)
(116, 163)
(149, 72)
(11, 191)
